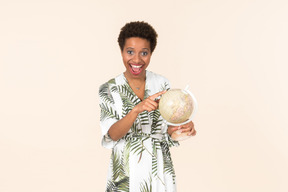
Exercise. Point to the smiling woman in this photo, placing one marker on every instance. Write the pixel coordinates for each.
(131, 122)
(136, 57)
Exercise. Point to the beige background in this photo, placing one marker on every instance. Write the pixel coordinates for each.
(54, 55)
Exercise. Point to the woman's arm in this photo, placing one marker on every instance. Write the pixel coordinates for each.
(121, 127)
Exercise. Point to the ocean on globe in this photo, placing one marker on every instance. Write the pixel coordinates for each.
(176, 106)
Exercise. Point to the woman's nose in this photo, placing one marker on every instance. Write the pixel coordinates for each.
(136, 58)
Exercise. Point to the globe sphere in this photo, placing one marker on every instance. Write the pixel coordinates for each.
(176, 106)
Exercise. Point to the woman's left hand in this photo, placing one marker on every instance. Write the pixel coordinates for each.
(188, 127)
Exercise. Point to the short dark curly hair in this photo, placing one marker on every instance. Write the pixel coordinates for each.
(138, 29)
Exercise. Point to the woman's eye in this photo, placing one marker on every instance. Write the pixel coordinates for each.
(130, 52)
(144, 53)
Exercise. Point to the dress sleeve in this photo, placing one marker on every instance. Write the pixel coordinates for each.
(108, 114)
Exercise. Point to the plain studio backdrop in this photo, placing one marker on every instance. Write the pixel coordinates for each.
(54, 55)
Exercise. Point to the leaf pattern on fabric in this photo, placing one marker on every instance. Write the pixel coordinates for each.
(141, 160)
(146, 186)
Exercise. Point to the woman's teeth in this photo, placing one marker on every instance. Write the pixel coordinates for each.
(136, 66)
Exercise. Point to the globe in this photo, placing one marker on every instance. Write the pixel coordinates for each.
(177, 106)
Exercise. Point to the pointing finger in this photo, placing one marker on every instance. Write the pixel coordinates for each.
(152, 105)
(153, 97)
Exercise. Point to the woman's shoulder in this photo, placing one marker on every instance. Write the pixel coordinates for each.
(112, 82)
(108, 83)
(106, 87)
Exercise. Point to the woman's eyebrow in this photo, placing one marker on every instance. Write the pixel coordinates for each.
(134, 48)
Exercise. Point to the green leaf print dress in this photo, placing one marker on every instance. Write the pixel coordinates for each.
(140, 161)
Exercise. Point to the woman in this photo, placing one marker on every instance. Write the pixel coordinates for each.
(130, 120)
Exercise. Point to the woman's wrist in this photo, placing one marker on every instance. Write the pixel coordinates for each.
(171, 129)
(134, 111)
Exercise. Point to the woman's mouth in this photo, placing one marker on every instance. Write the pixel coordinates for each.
(136, 69)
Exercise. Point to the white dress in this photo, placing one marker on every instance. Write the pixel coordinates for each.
(141, 160)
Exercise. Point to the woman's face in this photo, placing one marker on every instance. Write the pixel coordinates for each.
(136, 56)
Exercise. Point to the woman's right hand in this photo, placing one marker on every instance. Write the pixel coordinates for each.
(149, 104)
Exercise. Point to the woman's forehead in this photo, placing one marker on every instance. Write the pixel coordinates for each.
(137, 42)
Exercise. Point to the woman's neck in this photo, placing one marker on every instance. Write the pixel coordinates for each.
(138, 80)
